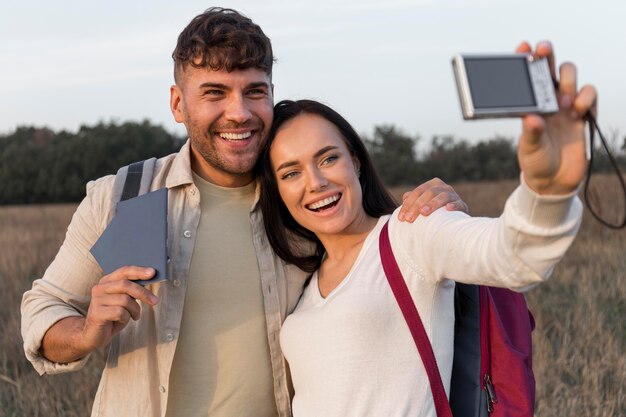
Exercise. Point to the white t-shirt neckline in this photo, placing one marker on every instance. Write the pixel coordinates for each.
(371, 238)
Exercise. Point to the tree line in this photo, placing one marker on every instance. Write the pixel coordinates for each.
(39, 165)
(451, 159)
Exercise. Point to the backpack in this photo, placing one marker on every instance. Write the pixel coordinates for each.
(492, 365)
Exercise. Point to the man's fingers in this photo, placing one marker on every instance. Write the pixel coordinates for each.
(413, 200)
(411, 196)
(111, 314)
(121, 280)
(431, 200)
(418, 197)
(130, 289)
(113, 284)
(427, 198)
(114, 302)
(107, 315)
(450, 200)
(439, 200)
(458, 205)
(129, 272)
(121, 301)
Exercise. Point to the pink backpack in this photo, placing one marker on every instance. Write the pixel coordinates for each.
(492, 367)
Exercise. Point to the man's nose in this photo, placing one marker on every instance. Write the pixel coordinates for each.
(238, 110)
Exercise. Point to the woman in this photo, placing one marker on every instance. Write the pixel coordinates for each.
(347, 344)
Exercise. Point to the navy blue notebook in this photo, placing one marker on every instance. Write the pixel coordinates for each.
(136, 236)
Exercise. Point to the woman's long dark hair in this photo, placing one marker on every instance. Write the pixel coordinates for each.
(280, 225)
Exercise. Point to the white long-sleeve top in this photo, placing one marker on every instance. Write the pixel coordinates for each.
(351, 353)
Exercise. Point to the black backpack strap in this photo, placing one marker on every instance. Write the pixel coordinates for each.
(133, 180)
(467, 397)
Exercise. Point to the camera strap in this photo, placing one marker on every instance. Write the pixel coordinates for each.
(593, 126)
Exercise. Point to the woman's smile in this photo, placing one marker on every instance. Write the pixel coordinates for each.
(324, 204)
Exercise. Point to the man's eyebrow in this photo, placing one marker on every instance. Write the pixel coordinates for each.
(257, 84)
(221, 86)
(209, 84)
(315, 155)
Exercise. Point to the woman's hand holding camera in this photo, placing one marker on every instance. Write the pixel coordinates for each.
(551, 150)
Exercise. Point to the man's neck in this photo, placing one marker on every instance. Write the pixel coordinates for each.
(218, 177)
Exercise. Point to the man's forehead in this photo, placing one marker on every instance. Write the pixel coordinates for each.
(236, 78)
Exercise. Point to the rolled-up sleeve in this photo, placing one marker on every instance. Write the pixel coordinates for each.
(65, 288)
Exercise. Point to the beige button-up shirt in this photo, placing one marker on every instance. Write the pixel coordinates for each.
(136, 377)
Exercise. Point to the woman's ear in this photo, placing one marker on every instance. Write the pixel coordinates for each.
(357, 165)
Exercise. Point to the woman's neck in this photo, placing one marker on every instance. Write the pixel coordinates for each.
(341, 245)
(342, 251)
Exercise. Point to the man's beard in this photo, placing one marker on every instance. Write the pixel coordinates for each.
(204, 143)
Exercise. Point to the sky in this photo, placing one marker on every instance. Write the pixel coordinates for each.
(69, 63)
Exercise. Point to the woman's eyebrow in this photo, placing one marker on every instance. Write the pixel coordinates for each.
(316, 155)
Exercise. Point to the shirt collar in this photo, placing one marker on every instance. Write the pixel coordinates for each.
(180, 171)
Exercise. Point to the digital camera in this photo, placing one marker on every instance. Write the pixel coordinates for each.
(503, 85)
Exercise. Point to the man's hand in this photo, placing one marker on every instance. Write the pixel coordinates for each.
(551, 149)
(427, 198)
(114, 302)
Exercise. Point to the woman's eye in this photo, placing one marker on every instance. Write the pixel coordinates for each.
(330, 159)
(289, 175)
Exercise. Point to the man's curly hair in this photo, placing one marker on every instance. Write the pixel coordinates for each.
(222, 39)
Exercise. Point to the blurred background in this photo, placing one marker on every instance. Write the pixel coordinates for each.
(85, 90)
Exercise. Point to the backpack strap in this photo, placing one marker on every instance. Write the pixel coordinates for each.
(413, 320)
(133, 180)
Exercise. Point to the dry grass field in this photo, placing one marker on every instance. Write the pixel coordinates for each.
(29, 239)
(580, 339)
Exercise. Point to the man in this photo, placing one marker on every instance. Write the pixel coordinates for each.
(205, 341)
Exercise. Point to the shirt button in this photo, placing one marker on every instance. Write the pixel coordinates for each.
(187, 233)
(176, 283)
(162, 389)
(169, 337)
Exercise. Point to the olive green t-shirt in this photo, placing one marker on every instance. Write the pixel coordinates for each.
(222, 361)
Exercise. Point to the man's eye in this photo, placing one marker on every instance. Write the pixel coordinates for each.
(213, 93)
(257, 92)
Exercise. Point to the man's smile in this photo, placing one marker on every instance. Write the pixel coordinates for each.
(235, 136)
